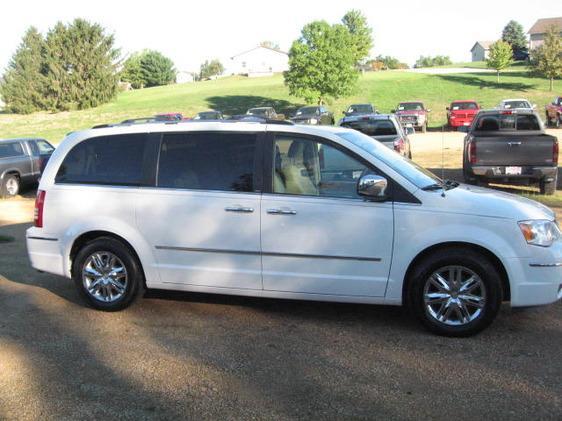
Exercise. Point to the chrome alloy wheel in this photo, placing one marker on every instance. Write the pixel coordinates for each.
(104, 276)
(454, 295)
(12, 186)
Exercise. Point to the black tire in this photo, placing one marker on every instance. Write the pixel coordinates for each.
(10, 186)
(474, 262)
(548, 187)
(134, 274)
(548, 121)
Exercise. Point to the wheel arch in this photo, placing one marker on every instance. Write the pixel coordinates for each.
(506, 290)
(88, 236)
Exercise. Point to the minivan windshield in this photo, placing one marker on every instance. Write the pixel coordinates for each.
(417, 175)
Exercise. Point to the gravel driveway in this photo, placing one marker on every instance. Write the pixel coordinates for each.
(194, 356)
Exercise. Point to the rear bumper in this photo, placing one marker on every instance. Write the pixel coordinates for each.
(527, 172)
(45, 252)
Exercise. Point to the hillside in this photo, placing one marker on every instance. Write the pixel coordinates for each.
(234, 95)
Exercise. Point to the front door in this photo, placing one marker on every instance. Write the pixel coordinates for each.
(203, 218)
(318, 235)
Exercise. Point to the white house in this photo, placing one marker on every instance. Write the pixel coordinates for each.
(259, 61)
(480, 50)
(184, 77)
(538, 31)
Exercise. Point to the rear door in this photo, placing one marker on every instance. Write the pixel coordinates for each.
(512, 140)
(318, 235)
(203, 217)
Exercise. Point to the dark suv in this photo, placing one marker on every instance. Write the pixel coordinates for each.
(21, 162)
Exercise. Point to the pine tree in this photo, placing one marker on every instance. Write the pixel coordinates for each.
(23, 85)
(157, 69)
(514, 35)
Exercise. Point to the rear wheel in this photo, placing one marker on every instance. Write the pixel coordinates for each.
(455, 292)
(107, 274)
(557, 121)
(10, 186)
(548, 187)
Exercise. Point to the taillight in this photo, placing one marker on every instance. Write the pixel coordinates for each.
(555, 152)
(472, 152)
(399, 145)
(38, 211)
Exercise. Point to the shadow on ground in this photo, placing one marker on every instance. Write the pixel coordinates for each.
(488, 84)
(239, 104)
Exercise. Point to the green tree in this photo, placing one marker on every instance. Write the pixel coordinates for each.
(547, 59)
(429, 61)
(80, 65)
(132, 71)
(211, 68)
(500, 56)
(514, 35)
(361, 34)
(23, 84)
(321, 64)
(157, 69)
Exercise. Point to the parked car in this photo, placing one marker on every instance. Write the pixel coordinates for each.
(252, 209)
(22, 162)
(461, 113)
(514, 104)
(315, 115)
(360, 109)
(209, 115)
(168, 117)
(553, 112)
(268, 113)
(412, 113)
(512, 147)
(383, 127)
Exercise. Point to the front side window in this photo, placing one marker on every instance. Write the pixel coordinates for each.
(10, 149)
(107, 160)
(208, 161)
(309, 168)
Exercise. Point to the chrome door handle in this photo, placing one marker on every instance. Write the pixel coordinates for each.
(281, 212)
(241, 209)
(514, 143)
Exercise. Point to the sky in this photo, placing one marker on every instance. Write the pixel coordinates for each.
(191, 32)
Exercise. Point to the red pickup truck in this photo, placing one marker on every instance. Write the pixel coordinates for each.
(461, 113)
(554, 112)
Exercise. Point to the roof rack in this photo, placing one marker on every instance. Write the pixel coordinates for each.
(251, 119)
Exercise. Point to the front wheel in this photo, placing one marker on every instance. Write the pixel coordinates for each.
(107, 274)
(10, 186)
(455, 292)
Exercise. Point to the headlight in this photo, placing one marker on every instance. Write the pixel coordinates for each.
(540, 232)
(313, 121)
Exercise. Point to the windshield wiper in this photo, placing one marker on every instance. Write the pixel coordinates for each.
(451, 184)
(434, 186)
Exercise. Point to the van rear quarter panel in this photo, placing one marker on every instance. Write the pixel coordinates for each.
(73, 210)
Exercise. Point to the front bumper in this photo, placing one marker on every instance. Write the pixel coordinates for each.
(460, 121)
(45, 252)
(527, 172)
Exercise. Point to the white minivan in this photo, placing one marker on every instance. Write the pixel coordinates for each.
(286, 211)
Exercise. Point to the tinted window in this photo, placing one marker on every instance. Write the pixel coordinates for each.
(372, 127)
(8, 149)
(464, 106)
(527, 122)
(410, 106)
(116, 160)
(309, 168)
(208, 161)
(489, 123)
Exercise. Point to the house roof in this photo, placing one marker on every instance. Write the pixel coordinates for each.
(258, 47)
(485, 44)
(542, 25)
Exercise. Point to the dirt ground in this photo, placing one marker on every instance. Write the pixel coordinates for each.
(194, 356)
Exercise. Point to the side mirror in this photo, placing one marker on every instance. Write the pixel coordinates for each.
(372, 187)
(534, 106)
(447, 108)
(343, 112)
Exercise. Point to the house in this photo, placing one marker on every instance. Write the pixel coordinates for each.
(259, 61)
(480, 50)
(184, 77)
(538, 31)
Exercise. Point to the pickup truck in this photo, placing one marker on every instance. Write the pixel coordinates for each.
(510, 146)
(21, 162)
(553, 112)
(461, 113)
(414, 113)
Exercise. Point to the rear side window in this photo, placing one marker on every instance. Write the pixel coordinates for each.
(107, 160)
(208, 161)
(10, 149)
(488, 123)
(373, 127)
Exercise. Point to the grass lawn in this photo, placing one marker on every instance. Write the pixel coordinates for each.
(235, 95)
